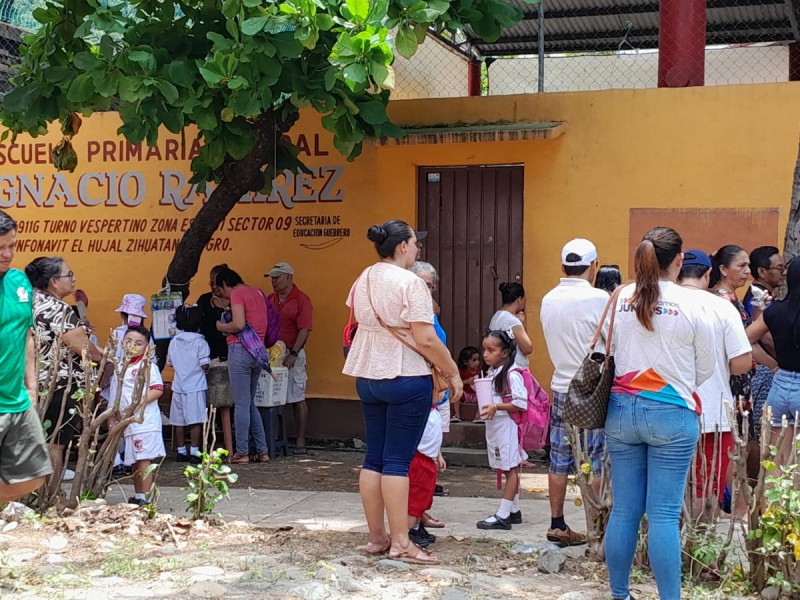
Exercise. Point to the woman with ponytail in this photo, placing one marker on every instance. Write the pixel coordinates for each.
(663, 350)
(390, 359)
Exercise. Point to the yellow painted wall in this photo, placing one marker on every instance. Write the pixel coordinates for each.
(721, 147)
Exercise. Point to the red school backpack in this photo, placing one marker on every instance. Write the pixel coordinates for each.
(533, 423)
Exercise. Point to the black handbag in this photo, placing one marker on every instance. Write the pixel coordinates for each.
(586, 404)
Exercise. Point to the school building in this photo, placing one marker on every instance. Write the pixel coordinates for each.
(500, 182)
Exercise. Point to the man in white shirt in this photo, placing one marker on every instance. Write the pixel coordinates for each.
(570, 315)
(732, 353)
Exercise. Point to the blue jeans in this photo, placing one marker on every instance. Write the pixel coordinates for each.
(651, 445)
(243, 371)
(784, 396)
(395, 414)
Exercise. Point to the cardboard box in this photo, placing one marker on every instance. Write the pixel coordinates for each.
(272, 392)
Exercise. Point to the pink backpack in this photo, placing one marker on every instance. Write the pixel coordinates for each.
(533, 423)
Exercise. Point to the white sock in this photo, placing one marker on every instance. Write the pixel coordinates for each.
(182, 450)
(515, 504)
(140, 496)
(195, 450)
(505, 509)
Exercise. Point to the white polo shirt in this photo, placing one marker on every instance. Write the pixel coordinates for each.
(570, 314)
(187, 354)
(730, 341)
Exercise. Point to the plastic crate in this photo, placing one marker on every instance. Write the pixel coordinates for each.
(272, 392)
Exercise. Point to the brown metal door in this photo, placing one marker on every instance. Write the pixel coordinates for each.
(473, 216)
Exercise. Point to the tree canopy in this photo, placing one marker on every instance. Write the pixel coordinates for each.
(239, 70)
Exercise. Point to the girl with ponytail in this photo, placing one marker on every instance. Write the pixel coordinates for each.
(663, 350)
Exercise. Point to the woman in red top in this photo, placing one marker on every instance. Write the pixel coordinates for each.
(248, 307)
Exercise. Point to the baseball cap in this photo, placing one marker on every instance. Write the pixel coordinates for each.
(582, 248)
(696, 257)
(281, 268)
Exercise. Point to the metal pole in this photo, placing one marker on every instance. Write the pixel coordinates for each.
(541, 46)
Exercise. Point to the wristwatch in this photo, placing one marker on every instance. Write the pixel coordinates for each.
(292, 353)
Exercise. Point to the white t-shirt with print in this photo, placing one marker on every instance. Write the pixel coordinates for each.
(152, 414)
(187, 354)
(730, 341)
(669, 363)
(503, 320)
(432, 436)
(570, 314)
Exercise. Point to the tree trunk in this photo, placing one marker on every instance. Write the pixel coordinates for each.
(239, 177)
(791, 243)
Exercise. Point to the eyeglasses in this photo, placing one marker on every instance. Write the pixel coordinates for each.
(782, 269)
(71, 275)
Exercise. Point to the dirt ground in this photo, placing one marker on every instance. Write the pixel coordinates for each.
(326, 470)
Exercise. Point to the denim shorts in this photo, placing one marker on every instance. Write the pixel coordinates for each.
(784, 396)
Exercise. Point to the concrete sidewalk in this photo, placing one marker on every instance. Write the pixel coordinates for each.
(341, 511)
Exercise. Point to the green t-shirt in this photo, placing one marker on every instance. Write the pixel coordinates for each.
(16, 319)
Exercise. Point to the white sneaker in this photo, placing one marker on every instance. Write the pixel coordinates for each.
(69, 475)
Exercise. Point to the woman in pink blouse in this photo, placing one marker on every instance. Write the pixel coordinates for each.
(394, 382)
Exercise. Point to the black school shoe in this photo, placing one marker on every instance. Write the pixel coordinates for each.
(497, 523)
(515, 518)
(419, 538)
(138, 501)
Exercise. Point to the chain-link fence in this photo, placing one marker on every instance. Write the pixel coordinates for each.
(584, 45)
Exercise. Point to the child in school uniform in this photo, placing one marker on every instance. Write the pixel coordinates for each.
(422, 472)
(502, 433)
(144, 442)
(189, 355)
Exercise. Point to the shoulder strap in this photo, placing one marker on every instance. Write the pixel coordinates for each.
(612, 301)
(386, 326)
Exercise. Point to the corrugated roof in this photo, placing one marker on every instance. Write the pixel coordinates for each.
(611, 25)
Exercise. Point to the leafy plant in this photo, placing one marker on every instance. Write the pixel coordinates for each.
(239, 70)
(779, 526)
(209, 482)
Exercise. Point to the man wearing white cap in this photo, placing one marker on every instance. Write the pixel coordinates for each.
(296, 315)
(570, 314)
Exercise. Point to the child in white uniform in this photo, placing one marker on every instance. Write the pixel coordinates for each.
(143, 441)
(502, 434)
(189, 355)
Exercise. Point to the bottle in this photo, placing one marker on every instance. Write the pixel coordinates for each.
(758, 296)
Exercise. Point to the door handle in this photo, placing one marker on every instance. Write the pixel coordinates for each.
(494, 272)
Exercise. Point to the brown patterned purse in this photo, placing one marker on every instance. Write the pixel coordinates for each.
(587, 398)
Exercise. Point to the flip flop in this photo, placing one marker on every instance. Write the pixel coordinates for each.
(420, 557)
(429, 521)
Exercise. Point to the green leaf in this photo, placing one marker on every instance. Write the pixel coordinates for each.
(81, 89)
(254, 25)
(205, 118)
(359, 9)
(324, 21)
(144, 59)
(21, 98)
(252, 3)
(169, 91)
(212, 78)
(85, 61)
(406, 42)
(355, 73)
(227, 114)
(182, 72)
(373, 112)
(330, 79)
(230, 8)
(237, 83)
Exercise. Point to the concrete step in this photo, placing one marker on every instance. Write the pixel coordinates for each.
(466, 435)
(465, 457)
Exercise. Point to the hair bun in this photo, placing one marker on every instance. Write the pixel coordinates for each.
(503, 287)
(377, 234)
